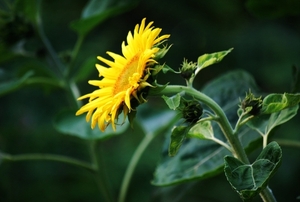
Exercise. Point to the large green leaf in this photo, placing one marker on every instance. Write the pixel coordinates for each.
(198, 159)
(67, 123)
(13, 84)
(249, 179)
(97, 11)
(149, 118)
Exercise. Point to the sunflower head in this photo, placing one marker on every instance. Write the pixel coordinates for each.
(124, 79)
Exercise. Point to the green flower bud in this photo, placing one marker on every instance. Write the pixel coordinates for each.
(192, 111)
(251, 104)
(188, 69)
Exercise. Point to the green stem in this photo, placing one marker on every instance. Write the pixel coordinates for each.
(100, 176)
(137, 155)
(232, 138)
(288, 143)
(132, 165)
(229, 133)
(47, 157)
(267, 195)
(75, 52)
(43, 80)
(47, 43)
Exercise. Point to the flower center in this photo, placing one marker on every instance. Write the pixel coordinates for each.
(128, 77)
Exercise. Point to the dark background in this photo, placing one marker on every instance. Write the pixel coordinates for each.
(265, 36)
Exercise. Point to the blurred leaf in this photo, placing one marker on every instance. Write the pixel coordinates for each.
(276, 102)
(265, 123)
(29, 8)
(85, 70)
(198, 159)
(68, 123)
(202, 130)
(97, 11)
(211, 58)
(172, 102)
(177, 137)
(273, 8)
(250, 180)
(13, 84)
(154, 118)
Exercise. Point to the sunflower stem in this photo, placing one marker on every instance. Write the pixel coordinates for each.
(132, 165)
(229, 133)
(137, 156)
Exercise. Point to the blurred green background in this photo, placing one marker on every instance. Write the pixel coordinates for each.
(265, 36)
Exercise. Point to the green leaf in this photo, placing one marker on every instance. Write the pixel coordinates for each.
(198, 159)
(97, 11)
(276, 102)
(149, 119)
(172, 102)
(177, 137)
(266, 122)
(250, 180)
(211, 58)
(29, 8)
(201, 130)
(68, 123)
(13, 84)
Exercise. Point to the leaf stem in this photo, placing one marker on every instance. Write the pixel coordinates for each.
(47, 157)
(288, 143)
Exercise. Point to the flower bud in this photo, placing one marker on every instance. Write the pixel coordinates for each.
(188, 69)
(192, 111)
(251, 104)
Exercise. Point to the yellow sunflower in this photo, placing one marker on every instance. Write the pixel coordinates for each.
(124, 77)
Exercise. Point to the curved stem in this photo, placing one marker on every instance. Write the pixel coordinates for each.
(132, 165)
(232, 138)
(47, 43)
(137, 155)
(229, 133)
(47, 157)
(75, 52)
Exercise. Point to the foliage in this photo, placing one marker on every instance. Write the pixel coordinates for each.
(48, 52)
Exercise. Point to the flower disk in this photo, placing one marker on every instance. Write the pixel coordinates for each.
(124, 77)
